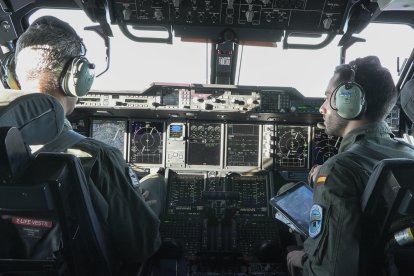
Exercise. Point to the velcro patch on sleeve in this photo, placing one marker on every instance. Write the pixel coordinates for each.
(316, 220)
(321, 179)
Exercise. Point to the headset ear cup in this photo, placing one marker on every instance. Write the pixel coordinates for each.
(9, 71)
(350, 100)
(77, 77)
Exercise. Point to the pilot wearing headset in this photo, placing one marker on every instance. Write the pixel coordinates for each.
(359, 96)
(50, 59)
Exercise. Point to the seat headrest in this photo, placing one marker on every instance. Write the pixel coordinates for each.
(39, 117)
(407, 99)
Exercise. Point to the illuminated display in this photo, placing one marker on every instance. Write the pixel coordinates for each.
(242, 145)
(204, 144)
(146, 142)
(292, 146)
(176, 128)
(111, 132)
(176, 132)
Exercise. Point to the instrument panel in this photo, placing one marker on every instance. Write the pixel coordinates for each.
(260, 14)
(213, 211)
(215, 145)
(226, 150)
(211, 127)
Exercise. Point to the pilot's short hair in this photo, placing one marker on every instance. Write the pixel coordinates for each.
(377, 83)
(59, 43)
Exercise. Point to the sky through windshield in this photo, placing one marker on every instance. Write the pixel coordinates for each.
(134, 66)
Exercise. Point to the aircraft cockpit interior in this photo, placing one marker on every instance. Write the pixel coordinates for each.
(225, 147)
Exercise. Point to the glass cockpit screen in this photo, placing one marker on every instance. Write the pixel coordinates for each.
(146, 142)
(292, 146)
(111, 132)
(324, 146)
(204, 144)
(242, 145)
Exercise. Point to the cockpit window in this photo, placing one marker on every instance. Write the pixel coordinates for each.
(134, 66)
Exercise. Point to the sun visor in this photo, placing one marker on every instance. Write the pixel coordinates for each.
(38, 116)
(407, 99)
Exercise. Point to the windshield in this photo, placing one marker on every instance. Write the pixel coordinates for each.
(134, 66)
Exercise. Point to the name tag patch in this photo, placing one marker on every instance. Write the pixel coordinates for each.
(316, 220)
(32, 222)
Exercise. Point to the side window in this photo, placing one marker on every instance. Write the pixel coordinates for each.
(388, 42)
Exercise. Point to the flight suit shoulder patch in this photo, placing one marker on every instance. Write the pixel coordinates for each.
(316, 221)
(133, 177)
(321, 179)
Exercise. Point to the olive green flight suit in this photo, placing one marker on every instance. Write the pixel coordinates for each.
(133, 226)
(335, 248)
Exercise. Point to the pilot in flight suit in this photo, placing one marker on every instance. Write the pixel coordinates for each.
(334, 246)
(42, 54)
(131, 222)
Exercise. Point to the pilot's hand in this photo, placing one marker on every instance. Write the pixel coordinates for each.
(313, 173)
(295, 260)
(145, 195)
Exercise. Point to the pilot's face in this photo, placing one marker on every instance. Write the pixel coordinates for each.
(334, 124)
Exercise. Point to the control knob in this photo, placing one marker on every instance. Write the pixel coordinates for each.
(249, 15)
(251, 101)
(327, 22)
(176, 3)
(158, 14)
(127, 12)
(207, 106)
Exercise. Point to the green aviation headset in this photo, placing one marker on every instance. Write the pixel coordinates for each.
(7, 72)
(77, 75)
(349, 98)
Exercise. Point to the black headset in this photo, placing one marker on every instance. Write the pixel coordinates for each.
(349, 97)
(77, 75)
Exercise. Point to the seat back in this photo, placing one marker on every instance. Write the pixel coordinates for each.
(38, 116)
(388, 208)
(407, 99)
(47, 221)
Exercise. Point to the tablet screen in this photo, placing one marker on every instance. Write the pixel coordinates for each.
(296, 203)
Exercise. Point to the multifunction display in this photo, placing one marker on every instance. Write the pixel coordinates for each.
(146, 142)
(292, 146)
(112, 132)
(231, 146)
(204, 144)
(242, 145)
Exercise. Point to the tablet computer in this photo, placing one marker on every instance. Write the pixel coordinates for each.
(295, 204)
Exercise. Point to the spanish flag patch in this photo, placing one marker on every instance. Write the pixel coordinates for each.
(321, 179)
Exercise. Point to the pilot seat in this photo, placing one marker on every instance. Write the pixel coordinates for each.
(388, 209)
(47, 222)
